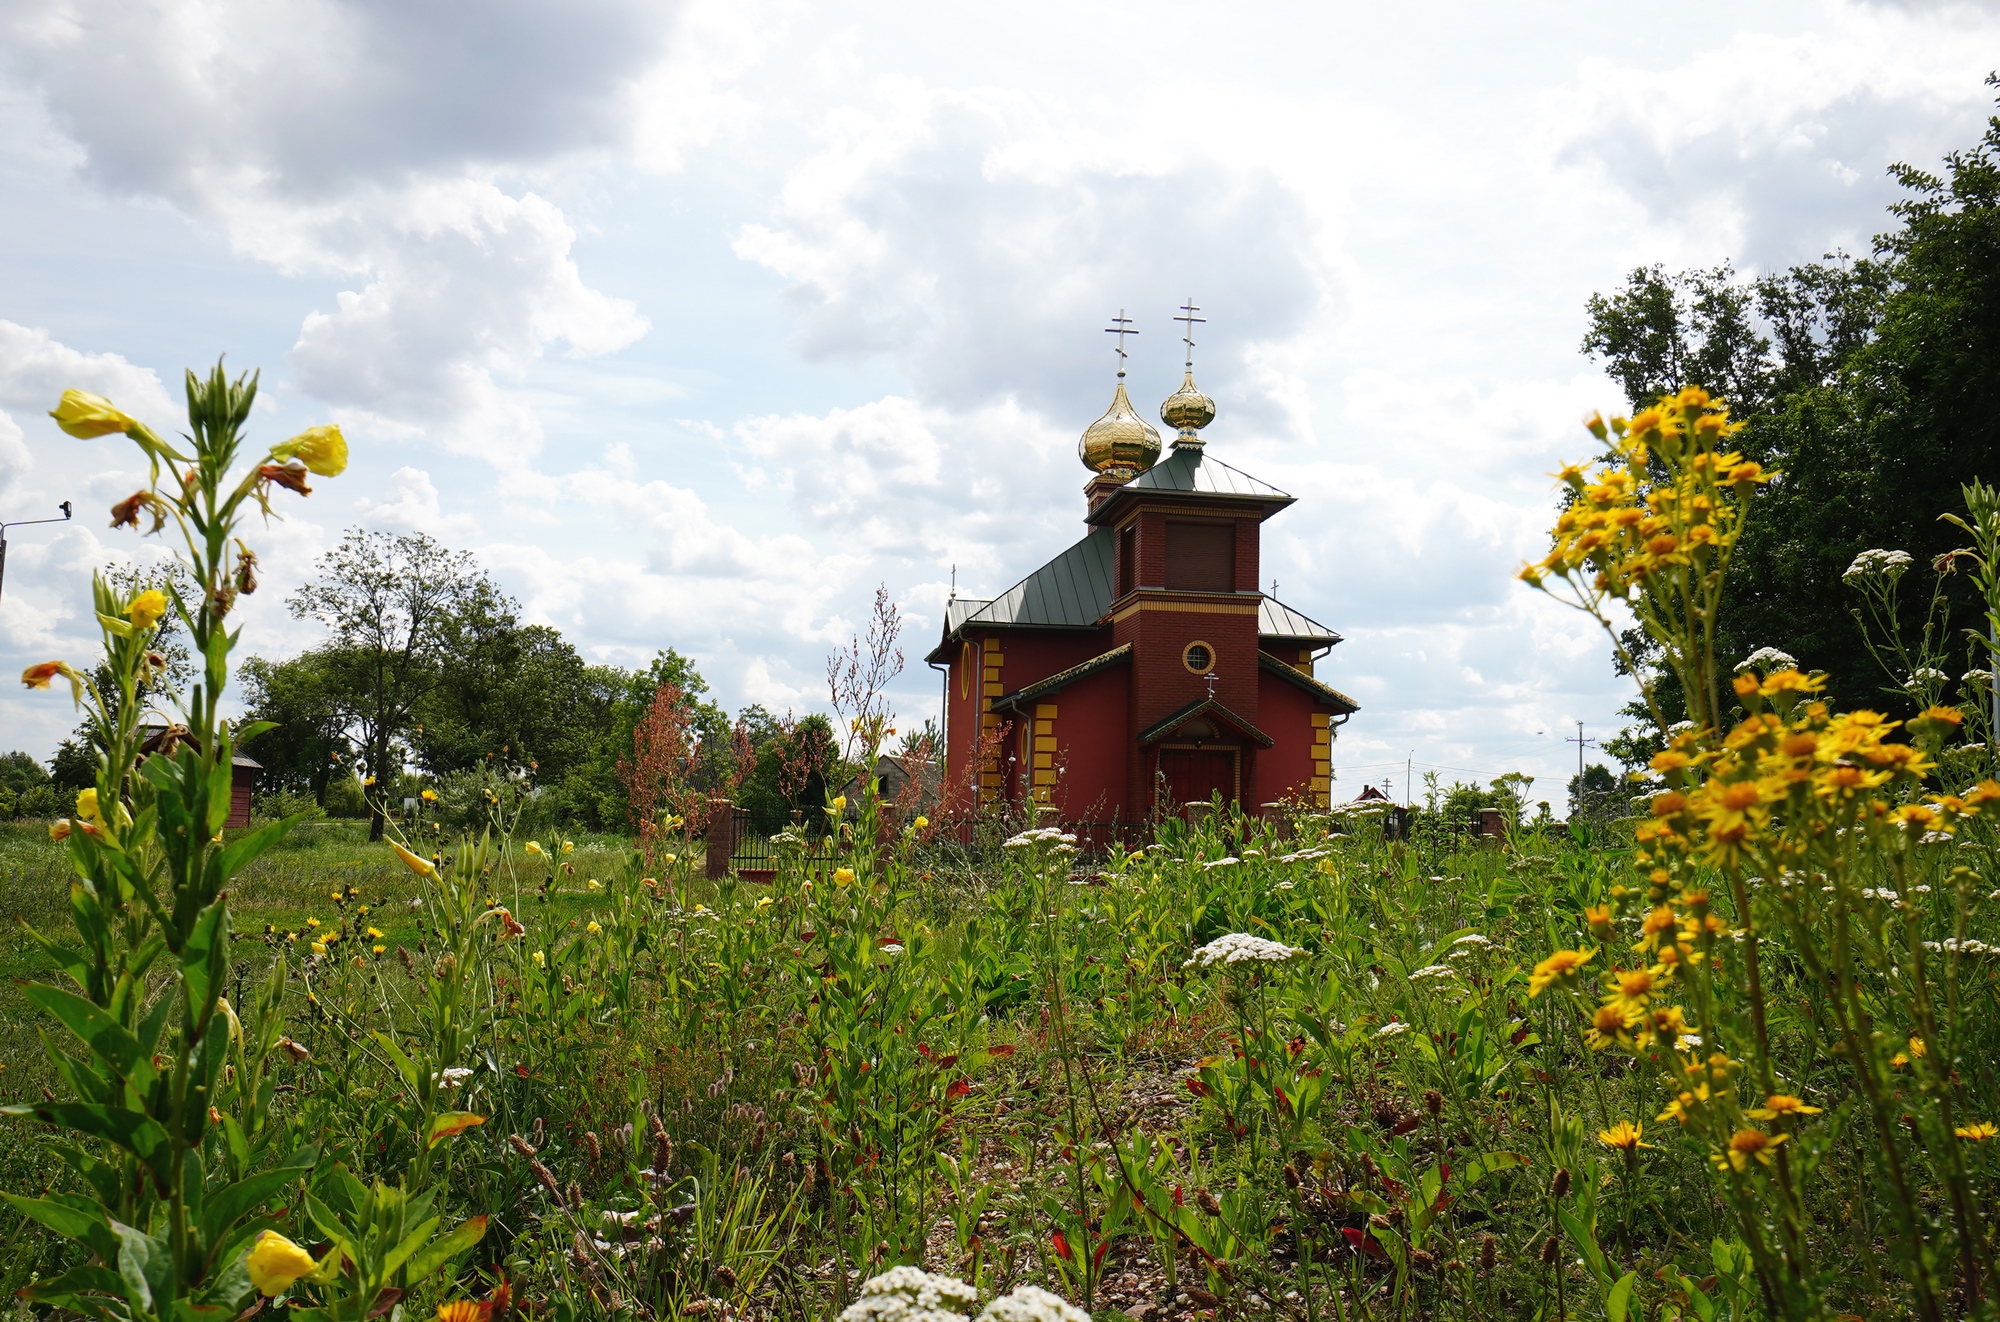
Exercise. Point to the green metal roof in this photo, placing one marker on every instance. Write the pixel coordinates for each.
(1071, 591)
(1162, 728)
(1325, 693)
(1277, 620)
(1189, 470)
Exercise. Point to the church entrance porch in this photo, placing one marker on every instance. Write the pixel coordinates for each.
(1194, 774)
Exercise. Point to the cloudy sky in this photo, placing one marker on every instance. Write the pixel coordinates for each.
(696, 322)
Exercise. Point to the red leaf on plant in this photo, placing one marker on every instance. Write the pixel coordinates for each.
(959, 1088)
(923, 1051)
(1179, 1200)
(1404, 1127)
(521, 1070)
(1062, 1246)
(1197, 1087)
(1520, 1036)
(946, 1062)
(1097, 1258)
(1004, 1049)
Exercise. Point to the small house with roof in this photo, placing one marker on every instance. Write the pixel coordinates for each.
(1142, 669)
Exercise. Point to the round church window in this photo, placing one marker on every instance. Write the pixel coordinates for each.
(1198, 658)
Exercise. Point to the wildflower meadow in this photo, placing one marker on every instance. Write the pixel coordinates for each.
(1735, 1054)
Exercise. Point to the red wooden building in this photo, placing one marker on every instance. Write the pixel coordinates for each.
(1142, 669)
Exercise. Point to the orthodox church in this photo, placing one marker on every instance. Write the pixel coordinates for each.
(1142, 669)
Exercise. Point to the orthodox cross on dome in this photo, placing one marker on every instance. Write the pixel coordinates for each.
(1188, 309)
(1121, 327)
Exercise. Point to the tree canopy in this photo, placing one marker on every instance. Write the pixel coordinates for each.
(1872, 385)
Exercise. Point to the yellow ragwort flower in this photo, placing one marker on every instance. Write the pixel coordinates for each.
(1747, 1145)
(1977, 1132)
(85, 415)
(1778, 1105)
(1561, 967)
(1623, 1136)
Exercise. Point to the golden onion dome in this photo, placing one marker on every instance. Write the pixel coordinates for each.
(1121, 439)
(1187, 410)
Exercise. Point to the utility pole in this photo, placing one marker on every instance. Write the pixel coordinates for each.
(1576, 797)
(22, 523)
(1409, 765)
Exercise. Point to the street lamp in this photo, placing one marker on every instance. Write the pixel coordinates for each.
(22, 523)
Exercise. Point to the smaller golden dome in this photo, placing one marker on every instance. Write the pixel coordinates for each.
(1187, 410)
(1121, 439)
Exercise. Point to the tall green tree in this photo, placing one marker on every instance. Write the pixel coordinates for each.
(307, 748)
(1872, 385)
(398, 609)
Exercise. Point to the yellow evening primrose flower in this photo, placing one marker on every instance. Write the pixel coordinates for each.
(274, 1262)
(423, 867)
(1978, 1132)
(322, 449)
(59, 830)
(147, 608)
(38, 676)
(1747, 1145)
(843, 876)
(85, 415)
(840, 803)
(1561, 967)
(671, 859)
(592, 927)
(764, 902)
(595, 884)
(541, 961)
(568, 845)
(319, 947)
(1782, 1104)
(86, 807)
(921, 823)
(534, 847)
(1623, 1136)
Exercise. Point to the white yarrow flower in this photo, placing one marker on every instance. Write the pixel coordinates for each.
(1221, 863)
(454, 1076)
(1433, 971)
(1471, 939)
(1030, 1303)
(910, 1294)
(1392, 1030)
(1927, 674)
(1887, 565)
(1768, 660)
(1240, 948)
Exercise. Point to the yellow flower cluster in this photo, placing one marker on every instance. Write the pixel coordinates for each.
(1624, 526)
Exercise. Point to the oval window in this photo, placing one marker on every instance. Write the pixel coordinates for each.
(1198, 657)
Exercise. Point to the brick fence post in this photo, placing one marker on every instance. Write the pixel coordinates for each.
(721, 838)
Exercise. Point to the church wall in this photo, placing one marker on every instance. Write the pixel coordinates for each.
(1292, 767)
(1093, 743)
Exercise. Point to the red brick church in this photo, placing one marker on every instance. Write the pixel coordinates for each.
(1142, 669)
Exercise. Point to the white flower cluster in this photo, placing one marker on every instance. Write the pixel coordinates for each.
(787, 838)
(1041, 836)
(1392, 1030)
(1240, 948)
(1886, 565)
(1977, 677)
(1681, 727)
(1925, 675)
(1029, 1303)
(1221, 863)
(910, 1294)
(1472, 939)
(1303, 856)
(1951, 945)
(453, 1077)
(1433, 971)
(1768, 660)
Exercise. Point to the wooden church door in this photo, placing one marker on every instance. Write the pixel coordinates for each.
(1194, 774)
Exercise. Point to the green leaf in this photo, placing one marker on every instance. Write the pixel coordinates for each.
(239, 1200)
(1619, 1301)
(69, 961)
(68, 1290)
(1585, 1239)
(404, 1065)
(135, 1131)
(226, 863)
(1488, 1163)
(205, 960)
(76, 1219)
(408, 1245)
(145, 1265)
(109, 1039)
